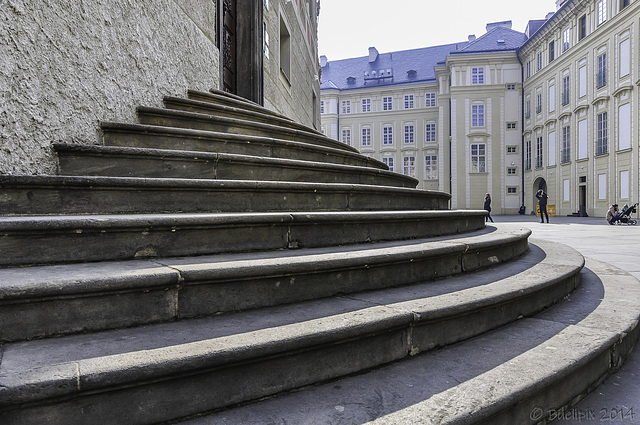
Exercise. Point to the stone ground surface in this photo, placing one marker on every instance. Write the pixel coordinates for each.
(617, 400)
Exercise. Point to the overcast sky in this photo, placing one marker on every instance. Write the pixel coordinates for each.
(348, 28)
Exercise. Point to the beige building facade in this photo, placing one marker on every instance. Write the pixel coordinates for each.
(581, 107)
(555, 107)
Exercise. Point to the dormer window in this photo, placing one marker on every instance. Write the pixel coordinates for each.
(351, 80)
(412, 73)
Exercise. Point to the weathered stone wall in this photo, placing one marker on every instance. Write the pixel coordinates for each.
(65, 65)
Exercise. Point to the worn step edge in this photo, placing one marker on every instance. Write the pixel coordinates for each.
(221, 98)
(76, 159)
(99, 296)
(198, 121)
(34, 195)
(137, 135)
(394, 329)
(26, 240)
(202, 107)
(524, 373)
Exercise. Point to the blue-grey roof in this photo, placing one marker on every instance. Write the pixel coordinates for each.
(495, 40)
(349, 74)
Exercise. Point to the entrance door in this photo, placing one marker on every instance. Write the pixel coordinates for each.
(583, 201)
(241, 44)
(229, 52)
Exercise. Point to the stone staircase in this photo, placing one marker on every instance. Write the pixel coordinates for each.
(219, 263)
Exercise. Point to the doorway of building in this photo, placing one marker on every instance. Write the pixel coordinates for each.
(538, 184)
(583, 200)
(240, 37)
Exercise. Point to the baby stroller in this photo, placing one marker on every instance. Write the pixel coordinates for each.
(624, 216)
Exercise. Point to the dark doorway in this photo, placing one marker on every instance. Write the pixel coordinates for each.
(241, 41)
(583, 200)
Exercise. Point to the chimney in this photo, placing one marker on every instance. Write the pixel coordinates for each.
(323, 61)
(503, 24)
(373, 54)
(472, 37)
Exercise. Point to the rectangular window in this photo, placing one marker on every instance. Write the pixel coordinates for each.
(538, 103)
(322, 106)
(539, 61)
(601, 78)
(477, 115)
(511, 125)
(512, 171)
(527, 155)
(624, 184)
(552, 51)
(285, 50)
(408, 101)
(625, 63)
(408, 133)
(387, 103)
(527, 109)
(346, 136)
(551, 160)
(565, 91)
(539, 152)
(366, 136)
(582, 74)
(409, 166)
(477, 75)
(511, 87)
(602, 186)
(602, 11)
(430, 133)
(430, 100)
(623, 4)
(346, 106)
(528, 70)
(582, 27)
(478, 158)
(512, 190)
(552, 98)
(624, 126)
(566, 39)
(387, 135)
(566, 145)
(366, 105)
(512, 149)
(583, 137)
(431, 167)
(389, 162)
(601, 134)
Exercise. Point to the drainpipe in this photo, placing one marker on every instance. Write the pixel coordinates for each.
(522, 127)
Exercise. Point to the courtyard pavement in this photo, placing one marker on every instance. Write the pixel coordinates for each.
(617, 400)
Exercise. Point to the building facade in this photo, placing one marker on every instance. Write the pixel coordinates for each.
(581, 101)
(66, 66)
(555, 107)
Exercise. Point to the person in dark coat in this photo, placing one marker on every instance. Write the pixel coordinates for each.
(487, 206)
(542, 202)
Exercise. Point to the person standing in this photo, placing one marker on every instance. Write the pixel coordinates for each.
(542, 202)
(487, 207)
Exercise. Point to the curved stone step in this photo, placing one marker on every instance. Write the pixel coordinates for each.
(222, 98)
(224, 111)
(108, 295)
(199, 121)
(529, 372)
(51, 195)
(168, 371)
(157, 137)
(91, 160)
(60, 239)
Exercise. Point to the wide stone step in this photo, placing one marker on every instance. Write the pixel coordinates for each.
(168, 371)
(529, 372)
(43, 301)
(199, 121)
(60, 239)
(224, 111)
(157, 137)
(112, 161)
(226, 99)
(33, 195)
